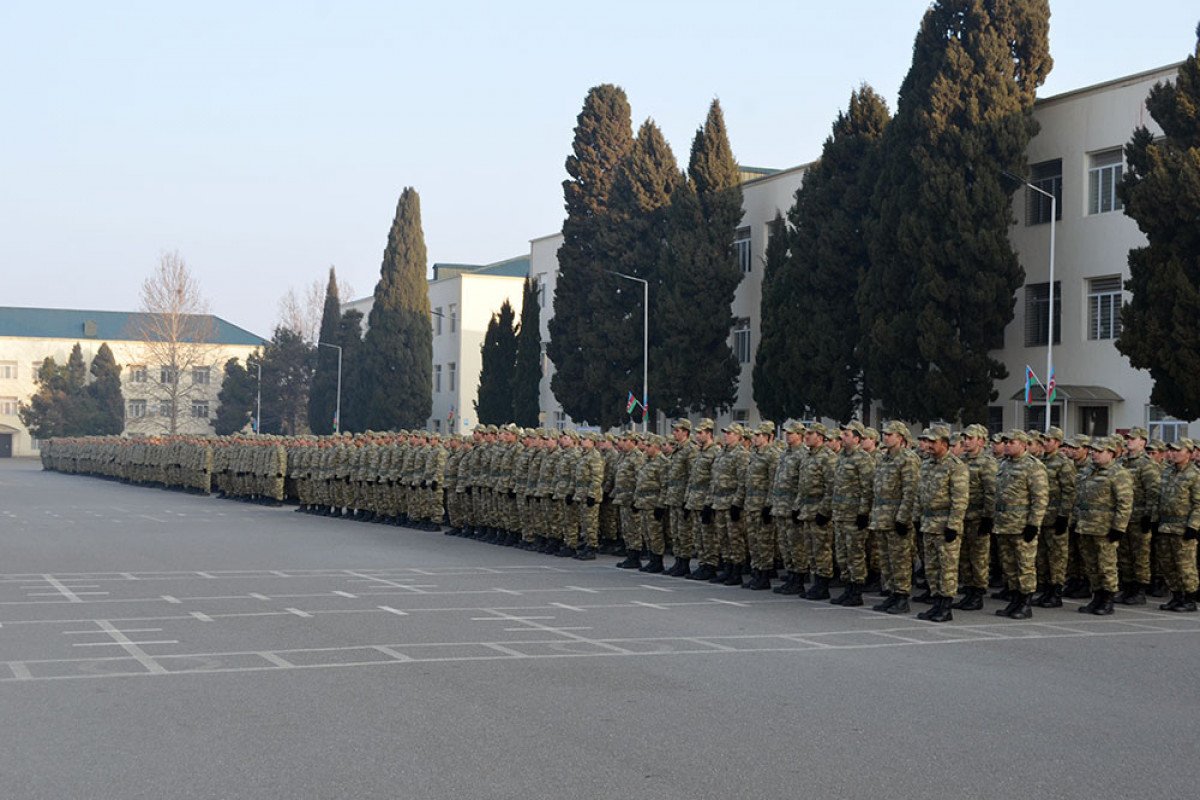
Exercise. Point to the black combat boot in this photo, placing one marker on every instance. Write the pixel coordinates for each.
(1173, 604)
(941, 611)
(734, 578)
(886, 605)
(1158, 587)
(819, 590)
(899, 603)
(302, 509)
(1004, 594)
(633, 559)
(681, 568)
(1134, 594)
(846, 594)
(703, 573)
(1105, 607)
(1097, 601)
(1077, 589)
(936, 602)
(585, 553)
(722, 572)
(924, 597)
(565, 551)
(972, 600)
(855, 598)
(1024, 609)
(873, 583)
(654, 565)
(1052, 598)
(1014, 602)
(759, 582)
(788, 586)
(1188, 604)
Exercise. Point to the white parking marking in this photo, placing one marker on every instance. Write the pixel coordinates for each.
(345, 594)
(298, 612)
(395, 611)
(202, 616)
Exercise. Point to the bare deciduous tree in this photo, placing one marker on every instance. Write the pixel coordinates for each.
(302, 312)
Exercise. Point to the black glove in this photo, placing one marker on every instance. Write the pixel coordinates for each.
(1060, 526)
(424, 484)
(795, 515)
(706, 515)
(1190, 534)
(570, 500)
(901, 529)
(687, 514)
(986, 526)
(1029, 533)
(1145, 523)
(821, 520)
(511, 493)
(765, 516)
(1074, 529)
(1115, 535)
(1154, 531)
(591, 501)
(861, 521)
(468, 490)
(659, 513)
(950, 535)
(735, 513)
(433, 485)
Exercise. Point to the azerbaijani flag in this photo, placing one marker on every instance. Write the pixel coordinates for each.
(1030, 380)
(1051, 386)
(630, 403)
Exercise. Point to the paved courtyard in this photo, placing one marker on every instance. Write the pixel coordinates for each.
(155, 644)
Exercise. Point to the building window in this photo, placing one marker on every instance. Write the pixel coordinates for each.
(1162, 425)
(453, 376)
(8, 370)
(560, 420)
(137, 373)
(740, 415)
(166, 409)
(1046, 176)
(741, 340)
(1035, 416)
(741, 249)
(136, 409)
(1104, 308)
(542, 359)
(539, 283)
(1093, 420)
(200, 409)
(35, 444)
(437, 321)
(201, 376)
(1037, 302)
(437, 377)
(1104, 175)
(453, 318)
(8, 406)
(995, 419)
(168, 375)
(35, 369)
(437, 425)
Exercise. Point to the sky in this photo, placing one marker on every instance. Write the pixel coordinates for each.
(267, 141)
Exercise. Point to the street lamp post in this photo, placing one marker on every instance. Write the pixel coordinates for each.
(258, 400)
(645, 340)
(337, 412)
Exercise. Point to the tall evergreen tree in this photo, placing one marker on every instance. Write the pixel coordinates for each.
(943, 274)
(396, 368)
(76, 374)
(499, 356)
(49, 411)
(287, 372)
(582, 382)
(527, 373)
(350, 337)
(697, 276)
(322, 396)
(104, 394)
(1161, 192)
(235, 401)
(776, 356)
(810, 327)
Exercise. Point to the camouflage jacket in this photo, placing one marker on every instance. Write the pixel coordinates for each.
(649, 489)
(982, 473)
(852, 485)
(759, 474)
(626, 477)
(783, 482)
(945, 494)
(1105, 500)
(1147, 480)
(700, 476)
(727, 487)
(896, 481)
(589, 476)
(1022, 493)
(1060, 473)
(676, 479)
(1179, 499)
(814, 482)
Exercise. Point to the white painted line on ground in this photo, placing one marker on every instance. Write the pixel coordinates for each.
(714, 645)
(898, 636)
(276, 660)
(726, 602)
(206, 575)
(655, 588)
(387, 651)
(580, 589)
(171, 599)
(506, 591)
(346, 594)
(279, 573)
(810, 642)
(123, 644)
(202, 616)
(650, 605)
(551, 629)
(258, 596)
(499, 648)
(19, 670)
(395, 611)
(505, 618)
(123, 630)
(153, 519)
(129, 577)
(62, 589)
(567, 607)
(386, 582)
(298, 612)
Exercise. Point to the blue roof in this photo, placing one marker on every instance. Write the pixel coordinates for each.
(510, 268)
(64, 323)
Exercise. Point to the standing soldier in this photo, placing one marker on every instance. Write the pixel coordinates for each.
(974, 555)
(760, 529)
(548, 510)
(788, 533)
(894, 486)
(727, 497)
(589, 489)
(851, 503)
(675, 497)
(1022, 495)
(1052, 543)
(648, 504)
(944, 496)
(1176, 525)
(1133, 554)
(622, 497)
(1102, 511)
(1077, 585)
(564, 493)
(610, 537)
(696, 501)
(813, 508)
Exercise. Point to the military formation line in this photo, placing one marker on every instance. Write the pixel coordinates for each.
(1039, 517)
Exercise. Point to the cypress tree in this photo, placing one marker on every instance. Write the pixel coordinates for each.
(76, 369)
(776, 357)
(396, 368)
(527, 373)
(697, 276)
(104, 394)
(943, 275)
(810, 317)
(349, 336)
(322, 397)
(1161, 192)
(287, 373)
(48, 412)
(499, 356)
(235, 401)
(582, 296)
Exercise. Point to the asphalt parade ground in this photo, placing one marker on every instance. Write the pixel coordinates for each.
(164, 645)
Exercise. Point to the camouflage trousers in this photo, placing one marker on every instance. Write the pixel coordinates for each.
(1018, 559)
(760, 537)
(850, 546)
(732, 535)
(1074, 558)
(454, 507)
(875, 545)
(791, 543)
(608, 522)
(895, 562)
(556, 517)
(683, 543)
(587, 530)
(652, 531)
(941, 562)
(819, 540)
(974, 556)
(1133, 554)
(708, 543)
(1052, 555)
(631, 529)
(1099, 561)
(1180, 563)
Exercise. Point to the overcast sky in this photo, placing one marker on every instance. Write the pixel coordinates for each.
(266, 141)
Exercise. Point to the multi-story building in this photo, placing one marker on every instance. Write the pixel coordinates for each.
(29, 335)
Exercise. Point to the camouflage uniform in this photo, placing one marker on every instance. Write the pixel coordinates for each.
(1052, 544)
(760, 528)
(696, 503)
(622, 497)
(894, 488)
(727, 497)
(1102, 511)
(944, 497)
(814, 512)
(1022, 494)
(1133, 553)
(788, 534)
(851, 504)
(975, 552)
(1177, 520)
(588, 492)
(648, 493)
(683, 545)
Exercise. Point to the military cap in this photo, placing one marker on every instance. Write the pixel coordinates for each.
(997, 438)
(1156, 445)
(819, 428)
(571, 433)
(1054, 433)
(511, 428)
(682, 425)
(734, 427)
(706, 424)
(855, 427)
(1182, 444)
(976, 431)
(795, 426)
(1017, 435)
(1105, 443)
(1082, 440)
(939, 432)
(766, 428)
(896, 426)
(1138, 433)
(870, 433)
(925, 434)
(1034, 434)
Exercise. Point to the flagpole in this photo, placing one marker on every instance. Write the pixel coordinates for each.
(1050, 338)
